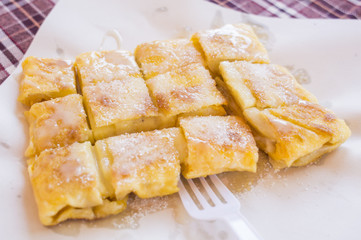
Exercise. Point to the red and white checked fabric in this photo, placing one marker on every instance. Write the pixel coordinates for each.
(19, 22)
(346, 9)
(21, 19)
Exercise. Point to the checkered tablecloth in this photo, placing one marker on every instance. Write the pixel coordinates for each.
(21, 19)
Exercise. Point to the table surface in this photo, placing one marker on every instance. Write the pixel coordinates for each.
(21, 19)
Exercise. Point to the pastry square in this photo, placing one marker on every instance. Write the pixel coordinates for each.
(315, 118)
(163, 56)
(105, 66)
(296, 135)
(146, 163)
(217, 144)
(67, 185)
(230, 43)
(185, 90)
(56, 123)
(44, 79)
(119, 106)
(262, 85)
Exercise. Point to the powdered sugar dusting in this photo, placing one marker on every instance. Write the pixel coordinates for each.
(271, 84)
(138, 208)
(146, 163)
(221, 131)
(162, 56)
(229, 43)
(232, 35)
(187, 89)
(106, 66)
(131, 150)
(110, 102)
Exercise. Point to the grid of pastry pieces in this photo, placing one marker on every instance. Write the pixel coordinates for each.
(113, 123)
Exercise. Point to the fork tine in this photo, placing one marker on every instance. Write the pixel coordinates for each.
(198, 194)
(186, 198)
(222, 189)
(210, 192)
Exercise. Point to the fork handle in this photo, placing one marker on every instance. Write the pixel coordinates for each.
(241, 227)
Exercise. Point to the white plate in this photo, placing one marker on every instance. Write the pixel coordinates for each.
(322, 201)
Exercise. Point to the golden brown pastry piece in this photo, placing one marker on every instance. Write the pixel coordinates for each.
(288, 123)
(115, 95)
(262, 85)
(146, 163)
(296, 135)
(187, 91)
(56, 123)
(106, 66)
(44, 79)
(159, 57)
(67, 184)
(217, 144)
(119, 106)
(230, 43)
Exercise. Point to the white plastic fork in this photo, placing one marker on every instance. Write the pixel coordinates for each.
(227, 208)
